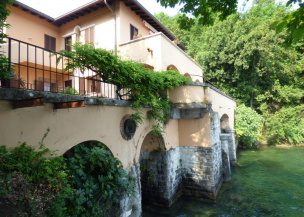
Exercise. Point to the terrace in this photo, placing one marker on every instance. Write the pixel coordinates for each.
(38, 69)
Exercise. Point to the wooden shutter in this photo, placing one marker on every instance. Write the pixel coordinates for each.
(82, 86)
(39, 85)
(49, 42)
(92, 34)
(87, 36)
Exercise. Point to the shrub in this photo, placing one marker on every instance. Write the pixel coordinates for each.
(98, 179)
(286, 126)
(30, 181)
(248, 124)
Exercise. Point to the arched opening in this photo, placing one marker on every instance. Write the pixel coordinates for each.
(98, 179)
(188, 76)
(172, 67)
(224, 123)
(147, 66)
(153, 169)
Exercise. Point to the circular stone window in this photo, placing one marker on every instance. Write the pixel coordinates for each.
(127, 127)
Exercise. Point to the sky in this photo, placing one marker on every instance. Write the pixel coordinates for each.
(55, 8)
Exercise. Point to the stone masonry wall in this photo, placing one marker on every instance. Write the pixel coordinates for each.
(160, 176)
(130, 206)
(216, 150)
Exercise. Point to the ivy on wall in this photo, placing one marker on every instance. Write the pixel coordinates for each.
(145, 88)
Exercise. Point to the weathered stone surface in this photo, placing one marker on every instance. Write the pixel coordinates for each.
(188, 113)
(225, 157)
(130, 206)
(232, 146)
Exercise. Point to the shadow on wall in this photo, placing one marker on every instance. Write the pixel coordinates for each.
(224, 123)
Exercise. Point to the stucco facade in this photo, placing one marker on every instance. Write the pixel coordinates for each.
(185, 160)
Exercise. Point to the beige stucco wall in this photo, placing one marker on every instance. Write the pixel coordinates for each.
(165, 53)
(172, 54)
(187, 94)
(24, 25)
(103, 21)
(195, 132)
(138, 50)
(126, 17)
(69, 127)
(222, 105)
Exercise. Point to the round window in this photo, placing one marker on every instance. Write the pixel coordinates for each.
(127, 127)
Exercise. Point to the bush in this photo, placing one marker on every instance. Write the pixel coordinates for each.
(286, 126)
(248, 124)
(98, 178)
(30, 181)
(85, 184)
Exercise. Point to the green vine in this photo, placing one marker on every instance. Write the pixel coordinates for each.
(145, 87)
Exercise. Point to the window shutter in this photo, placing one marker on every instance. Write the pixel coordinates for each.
(81, 86)
(49, 42)
(87, 35)
(92, 34)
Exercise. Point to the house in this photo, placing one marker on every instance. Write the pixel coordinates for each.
(125, 26)
(200, 132)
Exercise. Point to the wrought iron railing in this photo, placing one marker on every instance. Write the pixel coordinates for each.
(36, 68)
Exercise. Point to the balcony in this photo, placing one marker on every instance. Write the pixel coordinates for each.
(160, 53)
(36, 68)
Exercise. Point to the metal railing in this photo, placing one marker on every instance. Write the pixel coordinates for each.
(36, 68)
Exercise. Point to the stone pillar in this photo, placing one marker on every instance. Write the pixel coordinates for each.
(225, 157)
(231, 146)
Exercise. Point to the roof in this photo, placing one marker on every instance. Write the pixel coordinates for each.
(94, 5)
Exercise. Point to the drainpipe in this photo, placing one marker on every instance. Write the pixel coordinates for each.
(115, 40)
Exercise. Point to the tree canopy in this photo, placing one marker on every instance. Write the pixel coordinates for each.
(206, 11)
(244, 57)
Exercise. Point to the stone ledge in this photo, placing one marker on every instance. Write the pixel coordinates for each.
(193, 105)
(17, 94)
(188, 113)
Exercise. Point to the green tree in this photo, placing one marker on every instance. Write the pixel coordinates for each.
(205, 10)
(248, 124)
(145, 88)
(244, 57)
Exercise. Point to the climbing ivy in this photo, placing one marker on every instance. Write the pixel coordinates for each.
(98, 179)
(145, 87)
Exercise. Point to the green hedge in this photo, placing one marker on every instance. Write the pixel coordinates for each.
(248, 124)
(286, 126)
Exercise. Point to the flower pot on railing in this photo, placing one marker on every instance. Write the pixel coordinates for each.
(137, 36)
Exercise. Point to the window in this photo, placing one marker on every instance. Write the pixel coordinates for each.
(68, 83)
(88, 35)
(49, 42)
(133, 31)
(68, 42)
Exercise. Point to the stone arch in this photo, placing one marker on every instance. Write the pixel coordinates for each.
(153, 169)
(172, 67)
(147, 66)
(70, 152)
(188, 76)
(224, 123)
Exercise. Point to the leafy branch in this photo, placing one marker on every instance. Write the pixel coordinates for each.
(145, 88)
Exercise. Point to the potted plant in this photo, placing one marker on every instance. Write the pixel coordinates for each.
(136, 35)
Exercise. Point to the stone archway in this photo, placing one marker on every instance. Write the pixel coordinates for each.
(153, 170)
(224, 123)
